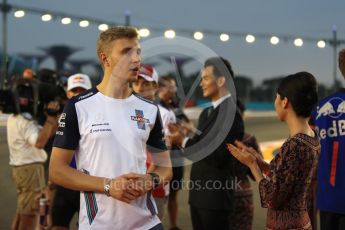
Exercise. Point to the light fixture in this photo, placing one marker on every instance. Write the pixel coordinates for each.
(198, 35)
(274, 40)
(66, 20)
(84, 23)
(170, 34)
(46, 17)
(103, 27)
(143, 32)
(224, 37)
(19, 13)
(250, 38)
(321, 44)
(298, 42)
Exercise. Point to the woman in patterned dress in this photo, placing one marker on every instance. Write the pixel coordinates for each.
(284, 183)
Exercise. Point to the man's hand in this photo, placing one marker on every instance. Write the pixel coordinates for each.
(176, 135)
(121, 189)
(187, 128)
(140, 182)
(130, 186)
(52, 109)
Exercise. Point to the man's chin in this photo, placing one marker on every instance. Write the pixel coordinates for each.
(133, 78)
(205, 94)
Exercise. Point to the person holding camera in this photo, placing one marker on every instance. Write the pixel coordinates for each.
(26, 140)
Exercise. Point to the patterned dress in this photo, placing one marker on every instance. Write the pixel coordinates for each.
(242, 216)
(285, 192)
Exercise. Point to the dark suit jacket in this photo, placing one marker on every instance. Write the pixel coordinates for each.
(212, 177)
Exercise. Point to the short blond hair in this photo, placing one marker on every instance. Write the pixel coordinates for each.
(341, 61)
(108, 36)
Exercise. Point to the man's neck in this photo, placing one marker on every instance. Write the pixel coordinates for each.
(220, 94)
(114, 88)
(165, 103)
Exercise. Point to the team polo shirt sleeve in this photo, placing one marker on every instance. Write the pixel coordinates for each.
(156, 143)
(67, 135)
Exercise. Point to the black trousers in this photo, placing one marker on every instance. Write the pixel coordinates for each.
(207, 219)
(332, 221)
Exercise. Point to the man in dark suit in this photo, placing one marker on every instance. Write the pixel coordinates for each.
(212, 177)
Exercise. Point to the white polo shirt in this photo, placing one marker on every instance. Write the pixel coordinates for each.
(110, 137)
(168, 117)
(22, 134)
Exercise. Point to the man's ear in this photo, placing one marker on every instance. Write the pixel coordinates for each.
(285, 102)
(221, 81)
(104, 59)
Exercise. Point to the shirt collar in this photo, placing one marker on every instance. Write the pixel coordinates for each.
(27, 115)
(220, 100)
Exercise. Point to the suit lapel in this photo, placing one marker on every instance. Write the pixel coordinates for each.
(208, 120)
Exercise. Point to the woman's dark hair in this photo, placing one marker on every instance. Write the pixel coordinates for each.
(301, 91)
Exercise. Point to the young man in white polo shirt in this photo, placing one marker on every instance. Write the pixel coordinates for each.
(108, 129)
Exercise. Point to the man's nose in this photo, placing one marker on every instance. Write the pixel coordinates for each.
(136, 57)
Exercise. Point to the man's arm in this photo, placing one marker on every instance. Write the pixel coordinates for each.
(50, 126)
(48, 130)
(160, 154)
(146, 182)
(162, 166)
(62, 174)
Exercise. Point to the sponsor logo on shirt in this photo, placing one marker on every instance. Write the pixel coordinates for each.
(62, 124)
(140, 119)
(84, 96)
(99, 122)
(333, 109)
(99, 130)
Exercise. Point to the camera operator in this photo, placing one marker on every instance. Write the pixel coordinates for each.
(26, 139)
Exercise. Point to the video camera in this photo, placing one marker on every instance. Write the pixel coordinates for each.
(33, 95)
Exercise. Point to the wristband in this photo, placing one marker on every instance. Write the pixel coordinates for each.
(107, 185)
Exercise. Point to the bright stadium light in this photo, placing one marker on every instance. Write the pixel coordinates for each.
(224, 37)
(321, 44)
(274, 40)
(198, 35)
(46, 17)
(103, 27)
(250, 38)
(84, 23)
(170, 34)
(298, 42)
(19, 13)
(144, 32)
(66, 20)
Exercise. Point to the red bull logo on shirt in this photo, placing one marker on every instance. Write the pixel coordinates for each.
(140, 119)
(334, 109)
